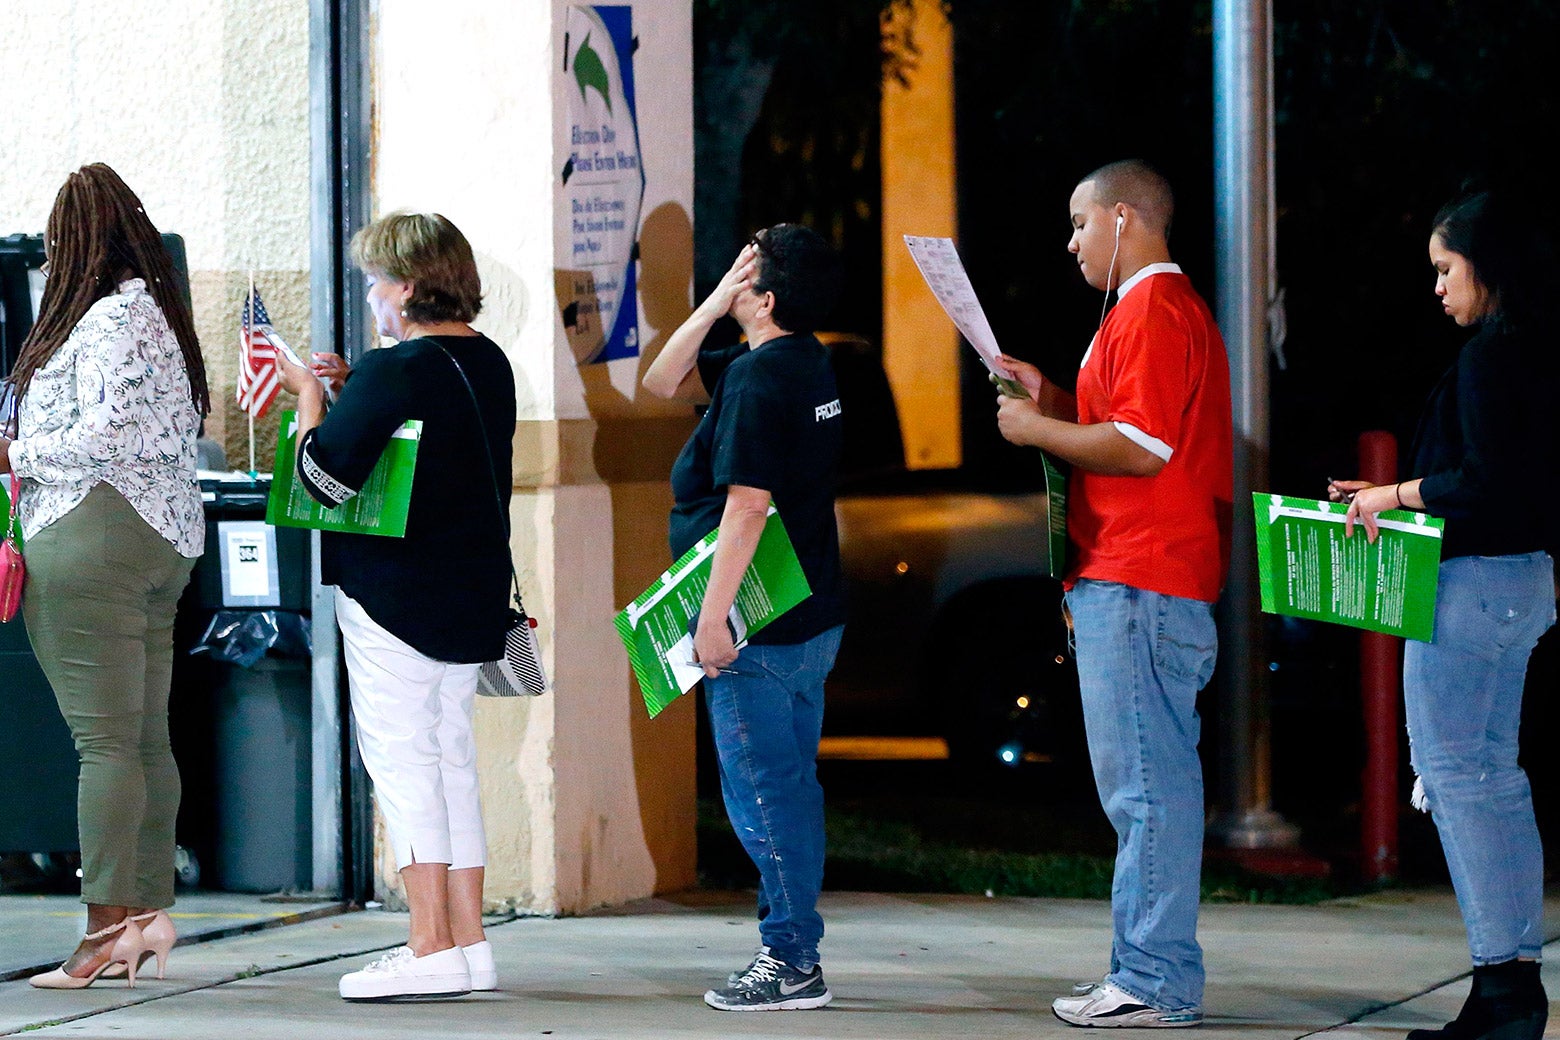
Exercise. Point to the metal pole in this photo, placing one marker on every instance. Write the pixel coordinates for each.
(339, 143)
(1243, 230)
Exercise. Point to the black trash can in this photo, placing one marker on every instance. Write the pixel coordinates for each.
(264, 788)
(249, 662)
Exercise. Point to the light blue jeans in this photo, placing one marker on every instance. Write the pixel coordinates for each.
(1142, 658)
(766, 712)
(1463, 703)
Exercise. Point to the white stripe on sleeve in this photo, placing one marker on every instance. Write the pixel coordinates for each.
(1152, 445)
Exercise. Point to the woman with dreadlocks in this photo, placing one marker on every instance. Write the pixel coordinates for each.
(112, 392)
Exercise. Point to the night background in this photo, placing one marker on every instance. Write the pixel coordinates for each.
(1381, 110)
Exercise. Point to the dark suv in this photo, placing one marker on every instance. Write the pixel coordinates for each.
(955, 627)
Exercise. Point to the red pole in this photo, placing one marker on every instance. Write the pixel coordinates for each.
(1380, 685)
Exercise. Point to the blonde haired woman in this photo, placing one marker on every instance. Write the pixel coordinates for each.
(419, 613)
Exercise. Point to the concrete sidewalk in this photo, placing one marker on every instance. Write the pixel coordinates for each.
(906, 967)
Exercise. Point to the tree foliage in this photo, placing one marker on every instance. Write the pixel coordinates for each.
(786, 123)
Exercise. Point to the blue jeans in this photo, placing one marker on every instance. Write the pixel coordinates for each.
(1142, 658)
(767, 715)
(1463, 703)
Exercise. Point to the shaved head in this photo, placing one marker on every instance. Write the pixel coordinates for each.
(1137, 184)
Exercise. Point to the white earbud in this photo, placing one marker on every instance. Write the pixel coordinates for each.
(1121, 221)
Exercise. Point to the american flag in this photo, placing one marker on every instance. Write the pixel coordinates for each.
(258, 344)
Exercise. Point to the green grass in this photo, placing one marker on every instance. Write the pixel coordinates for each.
(876, 855)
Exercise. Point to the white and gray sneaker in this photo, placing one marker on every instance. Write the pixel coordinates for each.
(1105, 1004)
(402, 975)
(770, 984)
(484, 971)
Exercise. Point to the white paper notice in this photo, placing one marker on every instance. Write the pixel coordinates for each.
(248, 553)
(944, 272)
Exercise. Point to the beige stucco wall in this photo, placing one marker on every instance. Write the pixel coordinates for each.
(587, 801)
(202, 106)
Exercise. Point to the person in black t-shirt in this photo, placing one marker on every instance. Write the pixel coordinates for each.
(419, 614)
(771, 435)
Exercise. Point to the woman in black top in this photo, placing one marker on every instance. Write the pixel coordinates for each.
(419, 614)
(1486, 432)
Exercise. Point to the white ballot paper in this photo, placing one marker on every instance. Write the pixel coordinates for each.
(950, 283)
(944, 272)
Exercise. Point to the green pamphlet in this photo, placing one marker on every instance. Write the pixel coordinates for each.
(654, 627)
(1056, 518)
(1055, 494)
(1308, 569)
(378, 508)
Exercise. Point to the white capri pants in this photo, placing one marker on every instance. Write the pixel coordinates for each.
(414, 731)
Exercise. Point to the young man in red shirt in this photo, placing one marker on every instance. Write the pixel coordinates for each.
(1149, 438)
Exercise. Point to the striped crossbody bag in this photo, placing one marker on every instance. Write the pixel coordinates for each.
(518, 673)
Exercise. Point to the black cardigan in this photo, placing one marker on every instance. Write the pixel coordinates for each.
(443, 588)
(1486, 448)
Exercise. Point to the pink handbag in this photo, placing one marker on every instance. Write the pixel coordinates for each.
(13, 569)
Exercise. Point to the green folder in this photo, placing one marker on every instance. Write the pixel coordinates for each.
(1308, 569)
(654, 628)
(378, 508)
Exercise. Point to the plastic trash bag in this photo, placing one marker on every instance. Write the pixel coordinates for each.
(243, 637)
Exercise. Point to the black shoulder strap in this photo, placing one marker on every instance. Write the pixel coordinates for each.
(487, 449)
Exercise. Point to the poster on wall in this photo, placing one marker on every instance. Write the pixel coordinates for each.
(602, 185)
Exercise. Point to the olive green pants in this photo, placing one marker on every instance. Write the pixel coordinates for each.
(99, 602)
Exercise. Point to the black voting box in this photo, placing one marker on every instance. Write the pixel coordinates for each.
(37, 759)
(38, 764)
(21, 286)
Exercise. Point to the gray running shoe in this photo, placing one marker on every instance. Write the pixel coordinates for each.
(770, 984)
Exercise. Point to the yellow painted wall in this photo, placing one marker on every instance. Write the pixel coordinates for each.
(920, 345)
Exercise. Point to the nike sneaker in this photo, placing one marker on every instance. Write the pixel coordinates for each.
(770, 984)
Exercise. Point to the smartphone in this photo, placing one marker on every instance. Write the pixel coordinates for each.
(734, 625)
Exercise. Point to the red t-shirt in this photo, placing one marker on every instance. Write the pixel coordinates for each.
(1158, 368)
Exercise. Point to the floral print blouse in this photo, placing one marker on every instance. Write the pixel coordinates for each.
(113, 405)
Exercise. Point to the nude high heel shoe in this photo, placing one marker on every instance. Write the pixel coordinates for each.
(158, 932)
(126, 950)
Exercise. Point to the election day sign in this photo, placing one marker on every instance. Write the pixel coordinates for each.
(602, 185)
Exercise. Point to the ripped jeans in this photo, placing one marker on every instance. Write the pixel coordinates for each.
(767, 716)
(1463, 703)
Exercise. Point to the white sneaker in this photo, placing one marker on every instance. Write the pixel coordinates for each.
(484, 972)
(400, 974)
(1106, 1004)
